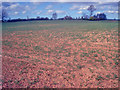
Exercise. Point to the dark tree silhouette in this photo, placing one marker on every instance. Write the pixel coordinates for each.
(4, 15)
(54, 16)
(91, 9)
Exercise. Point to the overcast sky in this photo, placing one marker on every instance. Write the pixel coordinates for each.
(45, 9)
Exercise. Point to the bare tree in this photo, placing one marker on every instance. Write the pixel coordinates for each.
(4, 15)
(54, 15)
(91, 9)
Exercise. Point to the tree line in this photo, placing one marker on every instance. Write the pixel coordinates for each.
(91, 9)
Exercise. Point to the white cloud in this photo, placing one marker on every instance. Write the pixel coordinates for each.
(16, 13)
(75, 7)
(24, 12)
(79, 12)
(60, 11)
(14, 6)
(83, 8)
(116, 11)
(38, 12)
(98, 12)
(50, 11)
(111, 12)
(49, 7)
(27, 7)
(57, 11)
(79, 7)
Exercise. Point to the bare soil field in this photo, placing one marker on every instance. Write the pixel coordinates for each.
(60, 59)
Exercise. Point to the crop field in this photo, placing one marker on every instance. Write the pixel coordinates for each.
(60, 54)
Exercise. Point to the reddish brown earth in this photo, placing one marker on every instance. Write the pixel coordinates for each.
(38, 59)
